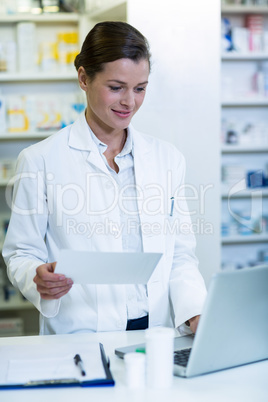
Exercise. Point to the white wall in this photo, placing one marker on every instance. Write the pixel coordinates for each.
(182, 103)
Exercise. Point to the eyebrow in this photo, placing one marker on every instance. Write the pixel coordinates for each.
(124, 83)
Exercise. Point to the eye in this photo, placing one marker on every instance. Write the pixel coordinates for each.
(114, 89)
(140, 89)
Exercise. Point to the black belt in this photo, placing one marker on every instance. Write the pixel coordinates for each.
(138, 323)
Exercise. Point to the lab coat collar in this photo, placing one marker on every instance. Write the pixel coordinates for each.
(81, 138)
(140, 143)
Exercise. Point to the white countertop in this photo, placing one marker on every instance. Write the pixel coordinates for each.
(241, 384)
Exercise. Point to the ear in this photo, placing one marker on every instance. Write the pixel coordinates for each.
(82, 78)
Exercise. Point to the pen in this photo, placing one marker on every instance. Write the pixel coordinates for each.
(78, 361)
(172, 206)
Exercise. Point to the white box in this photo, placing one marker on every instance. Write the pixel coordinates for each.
(240, 37)
(27, 50)
(265, 41)
(3, 126)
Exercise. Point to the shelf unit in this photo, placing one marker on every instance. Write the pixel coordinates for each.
(12, 143)
(243, 248)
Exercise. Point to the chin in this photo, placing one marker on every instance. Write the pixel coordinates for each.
(122, 126)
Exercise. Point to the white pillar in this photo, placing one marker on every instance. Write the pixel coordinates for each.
(183, 102)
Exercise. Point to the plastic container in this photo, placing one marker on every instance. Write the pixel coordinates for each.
(159, 357)
(135, 370)
(67, 48)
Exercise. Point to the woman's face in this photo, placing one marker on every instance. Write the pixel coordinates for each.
(116, 94)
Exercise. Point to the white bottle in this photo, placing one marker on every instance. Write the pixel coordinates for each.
(135, 370)
(159, 357)
(265, 69)
(2, 114)
(258, 82)
(11, 56)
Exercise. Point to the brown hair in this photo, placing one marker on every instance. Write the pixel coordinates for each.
(109, 41)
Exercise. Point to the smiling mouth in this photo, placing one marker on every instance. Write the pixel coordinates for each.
(122, 113)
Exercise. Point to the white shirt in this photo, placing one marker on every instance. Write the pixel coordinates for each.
(136, 295)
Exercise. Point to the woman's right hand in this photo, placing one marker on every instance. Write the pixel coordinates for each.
(50, 285)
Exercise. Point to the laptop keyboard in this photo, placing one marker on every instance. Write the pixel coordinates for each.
(181, 357)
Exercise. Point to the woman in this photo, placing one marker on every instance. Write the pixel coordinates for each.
(100, 185)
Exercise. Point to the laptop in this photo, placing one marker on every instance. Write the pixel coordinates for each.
(233, 327)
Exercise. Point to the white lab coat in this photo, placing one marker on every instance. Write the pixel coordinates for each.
(66, 198)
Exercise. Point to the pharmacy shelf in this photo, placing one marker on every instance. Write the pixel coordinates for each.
(255, 192)
(46, 18)
(39, 76)
(245, 102)
(236, 149)
(243, 9)
(16, 303)
(5, 182)
(26, 136)
(244, 56)
(255, 238)
(237, 14)
(110, 9)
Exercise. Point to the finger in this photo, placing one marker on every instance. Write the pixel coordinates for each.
(49, 284)
(46, 272)
(50, 276)
(56, 297)
(54, 293)
(45, 296)
(43, 277)
(53, 289)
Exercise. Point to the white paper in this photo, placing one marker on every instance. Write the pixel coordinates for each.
(25, 363)
(107, 268)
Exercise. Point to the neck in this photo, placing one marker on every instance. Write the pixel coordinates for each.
(113, 138)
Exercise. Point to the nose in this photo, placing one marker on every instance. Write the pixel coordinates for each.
(128, 99)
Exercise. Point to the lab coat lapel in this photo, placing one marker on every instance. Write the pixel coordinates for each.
(80, 138)
(145, 177)
(95, 159)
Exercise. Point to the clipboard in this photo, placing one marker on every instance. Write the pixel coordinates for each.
(105, 380)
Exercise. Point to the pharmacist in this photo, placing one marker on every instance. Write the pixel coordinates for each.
(100, 185)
